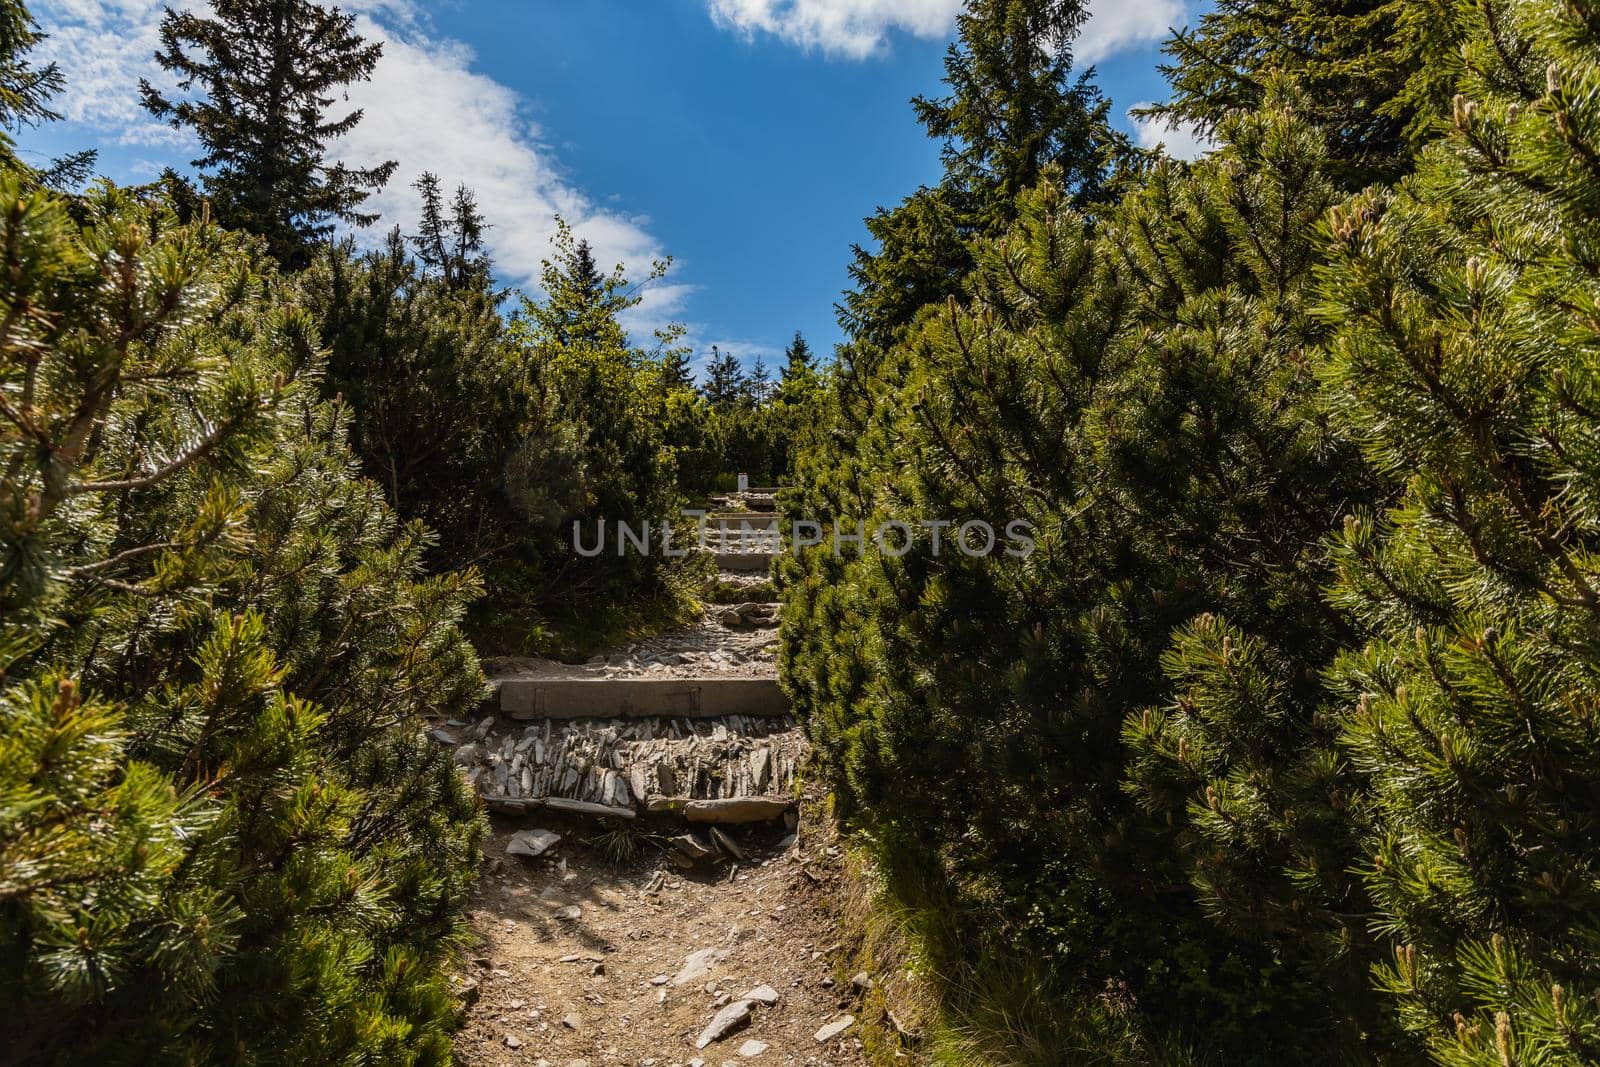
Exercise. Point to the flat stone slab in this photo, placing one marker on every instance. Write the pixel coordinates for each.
(745, 561)
(633, 698)
(735, 810)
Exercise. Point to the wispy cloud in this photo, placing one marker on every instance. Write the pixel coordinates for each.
(856, 29)
(1178, 140)
(426, 106)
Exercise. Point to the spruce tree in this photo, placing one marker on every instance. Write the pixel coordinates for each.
(758, 385)
(725, 383)
(450, 241)
(798, 358)
(592, 447)
(265, 74)
(25, 92)
(1014, 109)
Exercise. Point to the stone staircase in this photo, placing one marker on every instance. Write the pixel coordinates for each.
(683, 726)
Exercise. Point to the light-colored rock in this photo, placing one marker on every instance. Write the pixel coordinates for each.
(835, 1028)
(736, 810)
(725, 1022)
(580, 807)
(572, 1022)
(727, 844)
(532, 843)
(752, 1048)
(692, 847)
(861, 982)
(697, 967)
(762, 994)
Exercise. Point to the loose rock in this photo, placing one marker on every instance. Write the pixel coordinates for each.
(532, 843)
(835, 1028)
(725, 1022)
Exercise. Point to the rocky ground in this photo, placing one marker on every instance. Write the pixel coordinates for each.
(677, 932)
(586, 960)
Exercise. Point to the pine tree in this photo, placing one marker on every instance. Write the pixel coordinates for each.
(438, 397)
(1465, 367)
(725, 383)
(798, 358)
(267, 72)
(225, 837)
(593, 447)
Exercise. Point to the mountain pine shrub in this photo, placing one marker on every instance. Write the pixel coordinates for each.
(224, 838)
(1465, 366)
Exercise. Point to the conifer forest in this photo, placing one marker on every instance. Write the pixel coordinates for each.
(1261, 727)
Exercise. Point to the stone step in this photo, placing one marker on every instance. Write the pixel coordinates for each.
(745, 562)
(734, 520)
(730, 770)
(632, 698)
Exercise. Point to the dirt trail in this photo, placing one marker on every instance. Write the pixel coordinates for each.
(583, 959)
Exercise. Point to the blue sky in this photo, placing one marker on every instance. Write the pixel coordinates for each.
(746, 139)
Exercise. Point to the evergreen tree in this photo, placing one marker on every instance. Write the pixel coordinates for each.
(449, 242)
(1013, 111)
(725, 381)
(798, 358)
(1377, 74)
(1041, 737)
(593, 446)
(267, 72)
(437, 395)
(25, 92)
(225, 837)
(758, 386)
(677, 368)
(1466, 367)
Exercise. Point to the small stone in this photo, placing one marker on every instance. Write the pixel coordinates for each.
(512, 1041)
(762, 994)
(835, 1028)
(727, 844)
(532, 843)
(698, 965)
(571, 957)
(660, 979)
(467, 755)
(752, 1048)
(572, 1022)
(725, 1022)
(571, 913)
(862, 982)
(692, 847)
(470, 991)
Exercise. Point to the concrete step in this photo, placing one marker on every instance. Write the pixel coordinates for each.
(745, 562)
(633, 698)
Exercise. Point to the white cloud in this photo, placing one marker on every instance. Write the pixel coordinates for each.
(857, 29)
(1180, 140)
(425, 106)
